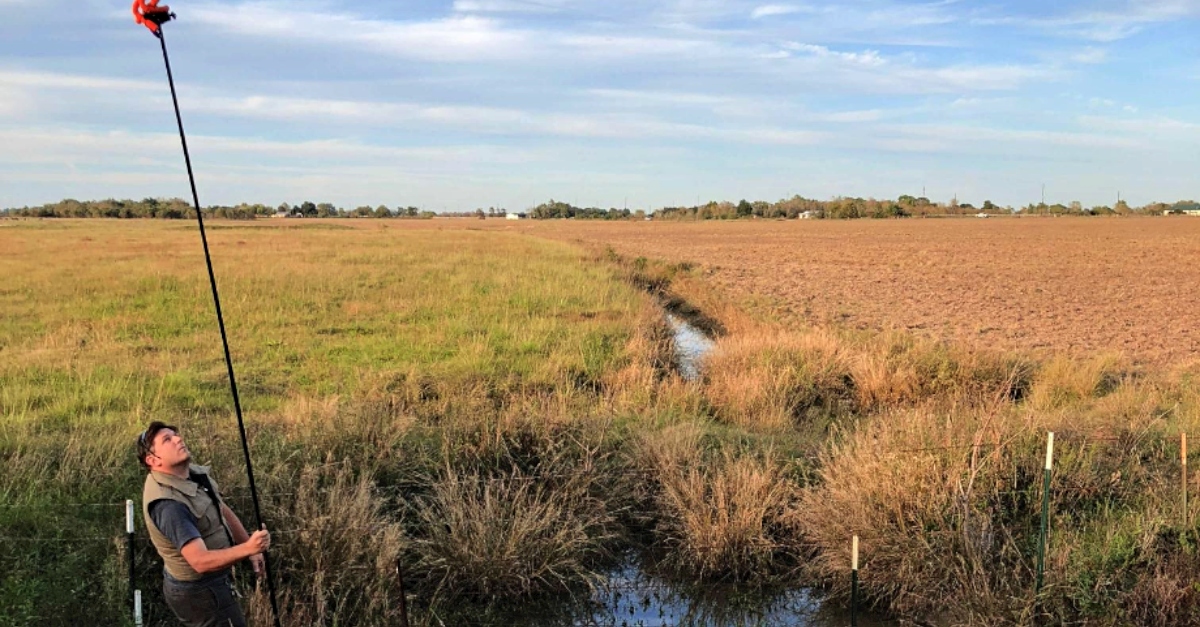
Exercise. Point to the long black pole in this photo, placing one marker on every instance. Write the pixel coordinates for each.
(212, 280)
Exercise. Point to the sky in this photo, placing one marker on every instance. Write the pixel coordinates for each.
(453, 105)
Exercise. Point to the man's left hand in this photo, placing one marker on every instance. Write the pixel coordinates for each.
(259, 565)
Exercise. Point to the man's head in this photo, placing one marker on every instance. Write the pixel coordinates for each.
(160, 447)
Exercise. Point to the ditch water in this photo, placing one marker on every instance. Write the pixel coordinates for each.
(630, 597)
(691, 345)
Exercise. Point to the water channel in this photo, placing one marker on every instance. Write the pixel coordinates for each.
(632, 596)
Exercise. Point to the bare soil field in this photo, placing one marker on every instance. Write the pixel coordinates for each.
(1079, 285)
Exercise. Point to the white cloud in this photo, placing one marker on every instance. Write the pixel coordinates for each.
(980, 139)
(505, 6)
(52, 80)
(866, 57)
(768, 10)
(1159, 127)
(455, 39)
(1090, 55)
(1105, 25)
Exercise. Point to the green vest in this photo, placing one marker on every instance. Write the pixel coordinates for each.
(210, 522)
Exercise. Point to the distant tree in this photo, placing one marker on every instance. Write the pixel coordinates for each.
(479, 214)
(382, 212)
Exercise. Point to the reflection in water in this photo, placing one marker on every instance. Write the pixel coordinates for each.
(691, 345)
(629, 597)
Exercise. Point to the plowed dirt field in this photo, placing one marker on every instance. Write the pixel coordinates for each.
(1080, 285)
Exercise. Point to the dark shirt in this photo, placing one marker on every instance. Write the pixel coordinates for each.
(177, 523)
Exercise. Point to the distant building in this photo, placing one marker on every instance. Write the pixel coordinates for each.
(805, 215)
(982, 215)
(515, 216)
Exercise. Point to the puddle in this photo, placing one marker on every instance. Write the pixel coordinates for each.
(691, 345)
(631, 598)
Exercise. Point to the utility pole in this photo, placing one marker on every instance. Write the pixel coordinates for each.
(1043, 193)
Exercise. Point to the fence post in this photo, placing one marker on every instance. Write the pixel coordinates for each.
(854, 582)
(403, 594)
(129, 550)
(1041, 556)
(137, 608)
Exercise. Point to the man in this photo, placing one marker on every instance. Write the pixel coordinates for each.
(198, 537)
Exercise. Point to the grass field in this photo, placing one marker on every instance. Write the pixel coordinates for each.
(493, 406)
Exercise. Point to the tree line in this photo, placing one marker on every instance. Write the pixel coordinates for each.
(841, 208)
(177, 209)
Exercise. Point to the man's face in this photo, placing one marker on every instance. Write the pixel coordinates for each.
(167, 450)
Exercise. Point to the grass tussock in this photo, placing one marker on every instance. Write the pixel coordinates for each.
(510, 537)
(930, 540)
(718, 515)
(336, 554)
(728, 520)
(769, 380)
(1063, 381)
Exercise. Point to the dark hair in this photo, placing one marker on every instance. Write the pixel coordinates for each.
(145, 441)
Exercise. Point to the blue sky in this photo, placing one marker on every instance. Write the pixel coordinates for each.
(469, 103)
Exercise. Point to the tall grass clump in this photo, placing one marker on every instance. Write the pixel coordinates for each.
(336, 552)
(893, 369)
(717, 515)
(935, 521)
(769, 380)
(500, 538)
(1063, 381)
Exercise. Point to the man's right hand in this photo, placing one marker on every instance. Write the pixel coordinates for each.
(260, 541)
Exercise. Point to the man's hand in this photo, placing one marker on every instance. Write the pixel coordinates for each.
(258, 563)
(260, 541)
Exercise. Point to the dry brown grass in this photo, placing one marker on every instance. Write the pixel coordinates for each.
(337, 556)
(718, 514)
(768, 380)
(725, 520)
(495, 538)
(1064, 381)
